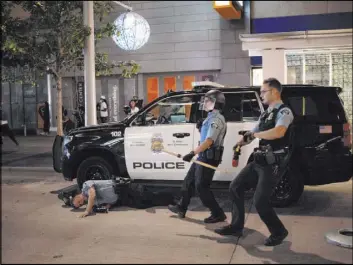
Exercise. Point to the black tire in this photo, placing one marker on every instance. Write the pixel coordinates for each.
(288, 190)
(93, 168)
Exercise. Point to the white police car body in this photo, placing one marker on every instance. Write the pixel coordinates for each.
(134, 147)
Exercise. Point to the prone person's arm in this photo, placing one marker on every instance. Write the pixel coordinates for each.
(91, 198)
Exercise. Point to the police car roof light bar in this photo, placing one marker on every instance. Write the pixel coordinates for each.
(206, 84)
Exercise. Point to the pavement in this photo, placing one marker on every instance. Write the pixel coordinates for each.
(33, 153)
(38, 228)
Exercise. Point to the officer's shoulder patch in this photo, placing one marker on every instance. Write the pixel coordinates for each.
(285, 111)
(214, 125)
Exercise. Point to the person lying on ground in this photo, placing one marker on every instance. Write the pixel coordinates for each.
(96, 193)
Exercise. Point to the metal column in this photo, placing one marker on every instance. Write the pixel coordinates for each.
(90, 76)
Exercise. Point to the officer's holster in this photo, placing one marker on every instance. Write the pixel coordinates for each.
(213, 153)
(265, 156)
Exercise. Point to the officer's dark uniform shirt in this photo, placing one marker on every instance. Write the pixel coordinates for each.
(214, 127)
(284, 117)
(278, 115)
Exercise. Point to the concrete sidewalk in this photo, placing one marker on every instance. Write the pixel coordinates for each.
(34, 152)
(36, 228)
(321, 209)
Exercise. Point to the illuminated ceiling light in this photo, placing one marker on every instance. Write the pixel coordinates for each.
(222, 3)
(229, 9)
(133, 31)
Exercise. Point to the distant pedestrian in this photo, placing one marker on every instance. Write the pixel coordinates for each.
(103, 106)
(46, 118)
(5, 129)
(68, 124)
(133, 108)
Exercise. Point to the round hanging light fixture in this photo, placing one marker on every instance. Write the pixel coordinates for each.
(133, 31)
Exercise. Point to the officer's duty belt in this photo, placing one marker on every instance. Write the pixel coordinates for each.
(213, 153)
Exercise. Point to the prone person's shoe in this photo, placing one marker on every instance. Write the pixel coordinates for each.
(176, 209)
(276, 240)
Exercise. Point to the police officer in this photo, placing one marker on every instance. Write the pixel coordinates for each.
(271, 130)
(210, 151)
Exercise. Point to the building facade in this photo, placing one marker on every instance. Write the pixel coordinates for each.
(190, 41)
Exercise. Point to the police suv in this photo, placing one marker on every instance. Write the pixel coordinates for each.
(320, 144)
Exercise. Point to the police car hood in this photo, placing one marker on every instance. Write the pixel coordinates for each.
(98, 127)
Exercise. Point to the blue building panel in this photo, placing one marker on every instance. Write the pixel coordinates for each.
(301, 23)
(256, 60)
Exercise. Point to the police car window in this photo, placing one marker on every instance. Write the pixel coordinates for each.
(241, 107)
(173, 110)
(250, 107)
(319, 107)
(232, 109)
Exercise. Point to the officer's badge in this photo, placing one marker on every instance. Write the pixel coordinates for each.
(285, 112)
(214, 125)
(270, 117)
(157, 143)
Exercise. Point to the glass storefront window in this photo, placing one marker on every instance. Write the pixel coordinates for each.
(323, 68)
(294, 69)
(317, 69)
(257, 76)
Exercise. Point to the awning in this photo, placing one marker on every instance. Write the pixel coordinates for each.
(312, 39)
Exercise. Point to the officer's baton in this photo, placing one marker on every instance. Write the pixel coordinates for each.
(197, 162)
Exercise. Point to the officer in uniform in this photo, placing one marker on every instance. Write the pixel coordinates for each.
(210, 151)
(274, 136)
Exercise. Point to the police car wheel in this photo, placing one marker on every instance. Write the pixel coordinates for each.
(288, 190)
(93, 168)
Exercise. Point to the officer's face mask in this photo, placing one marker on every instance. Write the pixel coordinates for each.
(208, 104)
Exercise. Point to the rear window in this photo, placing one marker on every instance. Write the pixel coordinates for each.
(241, 107)
(321, 105)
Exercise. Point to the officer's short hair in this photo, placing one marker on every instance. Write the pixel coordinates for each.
(274, 83)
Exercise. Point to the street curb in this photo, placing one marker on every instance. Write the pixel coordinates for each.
(28, 169)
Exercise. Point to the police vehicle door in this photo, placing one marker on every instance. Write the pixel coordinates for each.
(166, 124)
(241, 112)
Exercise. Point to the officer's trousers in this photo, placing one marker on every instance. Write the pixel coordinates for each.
(261, 176)
(199, 179)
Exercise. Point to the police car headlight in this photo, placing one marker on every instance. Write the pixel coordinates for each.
(67, 139)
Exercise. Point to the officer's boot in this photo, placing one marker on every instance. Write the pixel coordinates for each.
(275, 240)
(215, 218)
(177, 209)
(229, 230)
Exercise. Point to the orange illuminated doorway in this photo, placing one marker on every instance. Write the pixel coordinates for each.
(187, 85)
(152, 89)
(152, 92)
(187, 82)
(169, 83)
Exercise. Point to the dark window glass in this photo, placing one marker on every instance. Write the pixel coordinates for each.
(317, 106)
(241, 107)
(250, 106)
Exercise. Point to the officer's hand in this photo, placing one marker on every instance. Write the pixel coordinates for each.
(189, 156)
(235, 147)
(248, 137)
